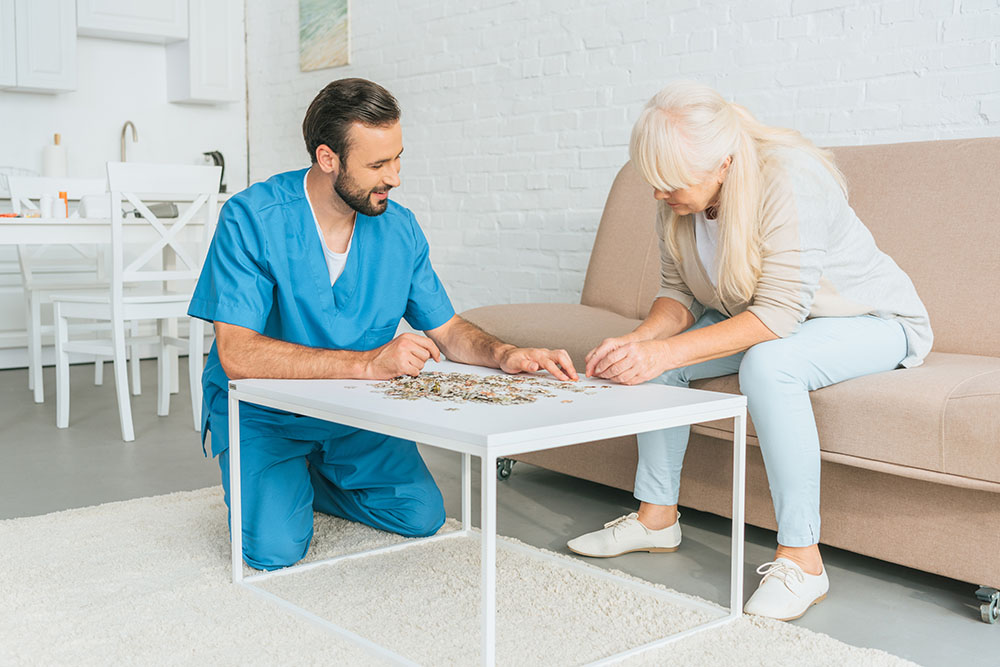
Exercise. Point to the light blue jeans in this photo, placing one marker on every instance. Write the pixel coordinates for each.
(776, 377)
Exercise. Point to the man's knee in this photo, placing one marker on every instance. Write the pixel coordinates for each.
(421, 515)
(275, 539)
(418, 510)
(275, 548)
(277, 517)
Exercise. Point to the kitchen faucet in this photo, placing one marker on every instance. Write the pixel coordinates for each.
(159, 209)
(135, 136)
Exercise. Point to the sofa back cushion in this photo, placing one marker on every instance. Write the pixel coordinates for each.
(933, 206)
(624, 271)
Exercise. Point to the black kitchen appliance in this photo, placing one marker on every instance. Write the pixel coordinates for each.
(220, 162)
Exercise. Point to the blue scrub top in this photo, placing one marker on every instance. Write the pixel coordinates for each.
(266, 271)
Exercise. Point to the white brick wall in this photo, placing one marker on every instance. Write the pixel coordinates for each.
(516, 115)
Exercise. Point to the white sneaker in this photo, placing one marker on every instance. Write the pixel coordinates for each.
(786, 592)
(624, 535)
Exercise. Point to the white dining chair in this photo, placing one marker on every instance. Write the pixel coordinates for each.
(58, 267)
(143, 285)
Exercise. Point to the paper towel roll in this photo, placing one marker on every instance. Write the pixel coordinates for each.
(54, 160)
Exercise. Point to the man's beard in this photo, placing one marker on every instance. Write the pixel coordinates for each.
(357, 197)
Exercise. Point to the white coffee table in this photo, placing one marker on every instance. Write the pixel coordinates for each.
(491, 432)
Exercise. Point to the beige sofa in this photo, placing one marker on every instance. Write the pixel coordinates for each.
(911, 458)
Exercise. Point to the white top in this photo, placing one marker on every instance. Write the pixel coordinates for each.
(706, 233)
(335, 261)
(817, 259)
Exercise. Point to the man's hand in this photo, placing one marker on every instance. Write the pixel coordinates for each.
(466, 343)
(403, 355)
(531, 359)
(632, 363)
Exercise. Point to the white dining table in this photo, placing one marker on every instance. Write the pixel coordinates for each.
(72, 231)
(48, 231)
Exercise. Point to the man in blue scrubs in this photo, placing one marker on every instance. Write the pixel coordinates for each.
(308, 276)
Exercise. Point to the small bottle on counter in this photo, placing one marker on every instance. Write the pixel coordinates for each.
(61, 206)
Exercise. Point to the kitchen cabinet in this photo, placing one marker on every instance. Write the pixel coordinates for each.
(8, 50)
(39, 45)
(207, 68)
(158, 21)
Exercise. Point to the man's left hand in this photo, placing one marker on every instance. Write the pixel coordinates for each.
(532, 359)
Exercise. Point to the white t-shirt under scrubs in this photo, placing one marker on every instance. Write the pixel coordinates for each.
(335, 261)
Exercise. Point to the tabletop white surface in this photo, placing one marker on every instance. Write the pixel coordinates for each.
(49, 231)
(548, 418)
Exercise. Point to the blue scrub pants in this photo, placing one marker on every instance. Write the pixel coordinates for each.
(358, 475)
(776, 377)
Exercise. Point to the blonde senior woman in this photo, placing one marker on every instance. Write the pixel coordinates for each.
(766, 271)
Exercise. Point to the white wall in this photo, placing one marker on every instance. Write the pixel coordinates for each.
(119, 81)
(516, 115)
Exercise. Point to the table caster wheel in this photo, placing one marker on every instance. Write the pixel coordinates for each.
(989, 610)
(504, 468)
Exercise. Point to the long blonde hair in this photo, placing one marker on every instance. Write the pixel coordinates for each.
(686, 132)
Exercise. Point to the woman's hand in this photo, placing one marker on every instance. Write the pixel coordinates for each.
(607, 346)
(632, 362)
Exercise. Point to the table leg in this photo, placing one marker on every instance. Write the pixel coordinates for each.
(466, 492)
(235, 504)
(174, 356)
(168, 261)
(488, 588)
(739, 493)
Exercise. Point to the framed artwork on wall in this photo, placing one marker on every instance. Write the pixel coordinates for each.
(324, 34)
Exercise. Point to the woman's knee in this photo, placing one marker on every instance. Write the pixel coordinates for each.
(675, 377)
(765, 364)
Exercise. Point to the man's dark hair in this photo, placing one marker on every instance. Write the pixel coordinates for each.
(338, 106)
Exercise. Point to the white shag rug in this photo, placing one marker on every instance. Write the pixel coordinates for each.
(147, 582)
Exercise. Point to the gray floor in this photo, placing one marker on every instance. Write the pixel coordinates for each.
(925, 618)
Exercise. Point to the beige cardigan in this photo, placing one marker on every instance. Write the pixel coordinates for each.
(818, 260)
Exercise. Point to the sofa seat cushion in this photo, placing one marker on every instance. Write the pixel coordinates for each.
(570, 326)
(942, 416)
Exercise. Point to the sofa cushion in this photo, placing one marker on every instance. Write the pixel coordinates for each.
(624, 271)
(936, 211)
(942, 416)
